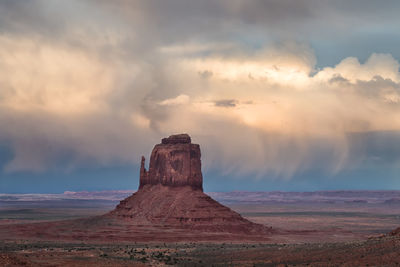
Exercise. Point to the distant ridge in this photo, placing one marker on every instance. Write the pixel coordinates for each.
(377, 196)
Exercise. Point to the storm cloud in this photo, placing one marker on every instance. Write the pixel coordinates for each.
(99, 82)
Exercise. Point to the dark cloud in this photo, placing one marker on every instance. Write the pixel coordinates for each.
(128, 37)
(226, 103)
(205, 74)
(27, 17)
(165, 22)
(45, 141)
(338, 79)
(375, 148)
(377, 87)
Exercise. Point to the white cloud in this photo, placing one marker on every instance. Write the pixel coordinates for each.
(179, 100)
(383, 65)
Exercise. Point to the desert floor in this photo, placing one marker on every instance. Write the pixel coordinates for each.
(328, 234)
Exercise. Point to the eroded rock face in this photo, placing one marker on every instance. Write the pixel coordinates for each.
(174, 162)
(171, 195)
(170, 205)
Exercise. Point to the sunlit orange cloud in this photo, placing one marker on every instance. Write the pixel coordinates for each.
(288, 97)
(259, 112)
(295, 107)
(54, 79)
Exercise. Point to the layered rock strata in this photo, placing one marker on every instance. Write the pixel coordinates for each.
(171, 194)
(174, 162)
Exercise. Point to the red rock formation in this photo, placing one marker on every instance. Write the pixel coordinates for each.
(169, 206)
(171, 193)
(174, 162)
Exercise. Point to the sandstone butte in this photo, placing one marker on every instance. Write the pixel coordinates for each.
(171, 193)
(169, 206)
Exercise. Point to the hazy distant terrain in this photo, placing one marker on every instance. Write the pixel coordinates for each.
(384, 196)
(387, 197)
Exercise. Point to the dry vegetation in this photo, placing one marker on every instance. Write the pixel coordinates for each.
(376, 251)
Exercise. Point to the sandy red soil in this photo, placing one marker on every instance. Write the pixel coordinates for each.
(379, 251)
(317, 234)
(103, 241)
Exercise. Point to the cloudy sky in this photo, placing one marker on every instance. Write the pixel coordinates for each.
(281, 95)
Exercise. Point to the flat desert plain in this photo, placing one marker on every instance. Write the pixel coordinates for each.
(322, 228)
